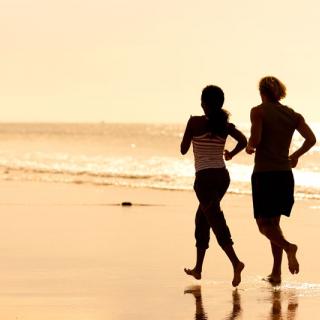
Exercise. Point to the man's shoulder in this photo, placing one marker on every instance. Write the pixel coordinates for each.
(258, 107)
(256, 111)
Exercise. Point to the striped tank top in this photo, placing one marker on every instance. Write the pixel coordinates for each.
(208, 151)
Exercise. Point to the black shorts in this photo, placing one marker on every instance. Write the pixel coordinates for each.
(272, 193)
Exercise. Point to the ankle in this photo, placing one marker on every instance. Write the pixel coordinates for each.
(197, 270)
(291, 248)
(236, 263)
(275, 274)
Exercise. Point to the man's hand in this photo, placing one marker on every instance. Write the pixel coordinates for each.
(250, 149)
(293, 160)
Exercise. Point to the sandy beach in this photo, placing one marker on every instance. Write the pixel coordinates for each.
(72, 252)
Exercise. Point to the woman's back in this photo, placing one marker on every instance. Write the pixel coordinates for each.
(207, 147)
(208, 151)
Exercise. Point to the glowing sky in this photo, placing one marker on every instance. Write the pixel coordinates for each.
(147, 61)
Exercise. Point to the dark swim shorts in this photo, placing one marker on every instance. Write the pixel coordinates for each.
(272, 193)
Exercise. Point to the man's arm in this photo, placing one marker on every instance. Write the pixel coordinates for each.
(310, 140)
(256, 129)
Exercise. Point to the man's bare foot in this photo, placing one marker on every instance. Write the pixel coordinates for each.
(237, 274)
(273, 279)
(193, 272)
(292, 259)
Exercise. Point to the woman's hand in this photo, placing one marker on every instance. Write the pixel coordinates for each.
(227, 155)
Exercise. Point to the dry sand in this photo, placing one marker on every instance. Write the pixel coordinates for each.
(71, 252)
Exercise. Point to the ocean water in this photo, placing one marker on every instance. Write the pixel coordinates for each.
(135, 155)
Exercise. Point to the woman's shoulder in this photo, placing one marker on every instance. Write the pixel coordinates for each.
(197, 118)
(196, 121)
(230, 127)
(197, 125)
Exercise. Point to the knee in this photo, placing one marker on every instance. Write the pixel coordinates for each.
(211, 207)
(224, 237)
(224, 242)
(264, 227)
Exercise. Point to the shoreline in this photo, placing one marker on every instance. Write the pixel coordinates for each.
(72, 252)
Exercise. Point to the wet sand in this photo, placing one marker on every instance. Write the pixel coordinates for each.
(72, 252)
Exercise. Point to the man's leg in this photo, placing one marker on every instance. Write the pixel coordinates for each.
(275, 276)
(270, 227)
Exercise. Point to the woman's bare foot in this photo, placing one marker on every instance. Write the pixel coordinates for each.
(195, 290)
(273, 279)
(292, 259)
(193, 272)
(237, 274)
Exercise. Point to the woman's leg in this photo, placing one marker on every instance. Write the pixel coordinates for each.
(219, 226)
(210, 188)
(197, 270)
(202, 235)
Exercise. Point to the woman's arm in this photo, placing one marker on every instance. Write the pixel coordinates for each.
(310, 140)
(242, 142)
(187, 138)
(256, 129)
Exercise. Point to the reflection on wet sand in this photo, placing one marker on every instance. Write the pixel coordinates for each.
(276, 312)
(276, 299)
(200, 313)
(236, 310)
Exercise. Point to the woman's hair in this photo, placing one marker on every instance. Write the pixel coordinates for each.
(212, 99)
(272, 88)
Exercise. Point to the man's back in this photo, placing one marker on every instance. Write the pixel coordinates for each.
(278, 125)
